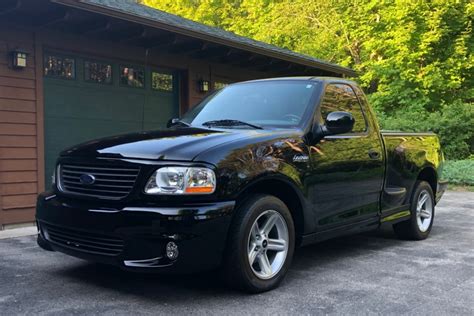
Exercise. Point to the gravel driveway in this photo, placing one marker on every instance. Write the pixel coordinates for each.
(364, 274)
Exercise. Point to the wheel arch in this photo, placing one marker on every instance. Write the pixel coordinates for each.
(429, 175)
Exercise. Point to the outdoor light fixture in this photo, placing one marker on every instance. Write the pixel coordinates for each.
(19, 58)
(203, 85)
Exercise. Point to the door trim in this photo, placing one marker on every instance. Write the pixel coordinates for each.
(349, 229)
(40, 121)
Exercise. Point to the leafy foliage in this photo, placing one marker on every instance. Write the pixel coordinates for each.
(414, 58)
(459, 172)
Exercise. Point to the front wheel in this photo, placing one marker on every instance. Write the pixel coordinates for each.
(419, 225)
(261, 244)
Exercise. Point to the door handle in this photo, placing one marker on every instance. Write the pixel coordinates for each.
(373, 154)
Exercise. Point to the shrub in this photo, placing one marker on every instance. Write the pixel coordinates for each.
(459, 172)
(454, 125)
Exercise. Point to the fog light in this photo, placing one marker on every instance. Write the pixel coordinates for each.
(172, 250)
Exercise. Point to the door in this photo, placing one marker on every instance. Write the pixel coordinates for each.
(346, 177)
(86, 98)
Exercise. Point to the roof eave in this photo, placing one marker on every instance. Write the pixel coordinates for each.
(203, 36)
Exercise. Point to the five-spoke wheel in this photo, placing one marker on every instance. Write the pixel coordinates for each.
(424, 211)
(261, 244)
(268, 244)
(418, 226)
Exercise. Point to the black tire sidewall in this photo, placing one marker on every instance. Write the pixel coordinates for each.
(253, 208)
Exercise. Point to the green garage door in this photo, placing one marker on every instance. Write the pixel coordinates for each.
(87, 99)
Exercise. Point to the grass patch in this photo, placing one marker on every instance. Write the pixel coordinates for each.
(461, 188)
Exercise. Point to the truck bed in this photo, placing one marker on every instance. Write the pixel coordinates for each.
(408, 155)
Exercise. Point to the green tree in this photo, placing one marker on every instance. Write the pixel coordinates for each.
(414, 58)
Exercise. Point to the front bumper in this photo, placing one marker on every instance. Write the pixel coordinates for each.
(135, 237)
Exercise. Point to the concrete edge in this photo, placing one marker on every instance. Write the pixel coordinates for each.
(18, 232)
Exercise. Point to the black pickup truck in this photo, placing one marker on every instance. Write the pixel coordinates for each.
(253, 171)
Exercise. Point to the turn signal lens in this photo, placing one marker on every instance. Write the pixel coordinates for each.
(199, 190)
(181, 180)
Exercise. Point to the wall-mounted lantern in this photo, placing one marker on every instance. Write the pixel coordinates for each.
(204, 85)
(18, 58)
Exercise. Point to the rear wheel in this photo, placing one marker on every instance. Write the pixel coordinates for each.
(261, 244)
(419, 225)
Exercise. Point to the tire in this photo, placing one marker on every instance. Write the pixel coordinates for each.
(418, 227)
(250, 239)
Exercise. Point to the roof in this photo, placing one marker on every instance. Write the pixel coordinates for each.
(131, 10)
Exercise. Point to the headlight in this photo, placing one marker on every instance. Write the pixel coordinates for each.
(181, 180)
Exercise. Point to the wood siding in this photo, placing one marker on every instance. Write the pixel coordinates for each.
(18, 131)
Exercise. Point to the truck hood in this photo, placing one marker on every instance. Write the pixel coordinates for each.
(174, 144)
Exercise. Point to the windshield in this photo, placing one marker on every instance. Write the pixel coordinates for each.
(261, 103)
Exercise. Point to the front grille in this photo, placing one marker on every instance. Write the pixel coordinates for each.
(82, 241)
(110, 182)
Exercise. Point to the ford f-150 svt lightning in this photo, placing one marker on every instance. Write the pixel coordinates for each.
(253, 171)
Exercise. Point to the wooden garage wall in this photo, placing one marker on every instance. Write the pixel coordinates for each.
(18, 131)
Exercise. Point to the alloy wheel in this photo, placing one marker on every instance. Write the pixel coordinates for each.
(424, 211)
(268, 244)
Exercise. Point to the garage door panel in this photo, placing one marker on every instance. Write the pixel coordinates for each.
(118, 105)
(89, 107)
(93, 111)
(79, 132)
(77, 111)
(159, 108)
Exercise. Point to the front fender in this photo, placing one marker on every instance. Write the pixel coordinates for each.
(251, 174)
(286, 189)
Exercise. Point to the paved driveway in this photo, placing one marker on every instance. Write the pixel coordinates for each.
(364, 274)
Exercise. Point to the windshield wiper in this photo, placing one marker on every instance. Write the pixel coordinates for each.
(230, 123)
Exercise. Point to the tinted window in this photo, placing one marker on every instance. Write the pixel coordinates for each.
(59, 67)
(162, 81)
(271, 103)
(341, 97)
(132, 76)
(97, 72)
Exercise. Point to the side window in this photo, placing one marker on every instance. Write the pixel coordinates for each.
(341, 97)
(132, 76)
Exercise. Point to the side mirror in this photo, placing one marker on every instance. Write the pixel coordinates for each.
(172, 121)
(338, 123)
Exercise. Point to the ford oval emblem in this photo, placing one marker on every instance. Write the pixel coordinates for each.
(87, 179)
